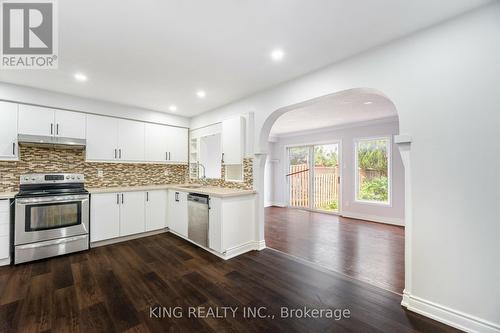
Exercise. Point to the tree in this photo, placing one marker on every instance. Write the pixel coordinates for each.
(372, 155)
(325, 158)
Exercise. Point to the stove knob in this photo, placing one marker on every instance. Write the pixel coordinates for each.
(78, 177)
(73, 177)
(26, 178)
(67, 177)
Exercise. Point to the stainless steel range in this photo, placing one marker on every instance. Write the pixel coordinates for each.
(51, 216)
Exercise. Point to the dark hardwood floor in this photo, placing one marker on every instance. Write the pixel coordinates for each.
(372, 252)
(111, 289)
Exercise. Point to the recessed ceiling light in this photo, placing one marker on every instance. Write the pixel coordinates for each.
(172, 108)
(201, 93)
(277, 55)
(368, 103)
(80, 77)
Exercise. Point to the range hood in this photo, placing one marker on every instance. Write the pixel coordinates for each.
(51, 141)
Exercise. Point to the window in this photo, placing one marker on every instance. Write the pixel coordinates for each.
(373, 176)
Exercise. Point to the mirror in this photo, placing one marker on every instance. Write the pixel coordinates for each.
(210, 156)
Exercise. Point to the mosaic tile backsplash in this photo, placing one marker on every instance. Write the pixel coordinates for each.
(246, 184)
(42, 160)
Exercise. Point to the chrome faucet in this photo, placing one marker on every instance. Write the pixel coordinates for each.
(204, 171)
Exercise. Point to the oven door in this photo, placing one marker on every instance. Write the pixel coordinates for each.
(43, 218)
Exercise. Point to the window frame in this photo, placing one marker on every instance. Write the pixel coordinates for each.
(389, 171)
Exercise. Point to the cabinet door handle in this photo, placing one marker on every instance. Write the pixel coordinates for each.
(222, 159)
(169, 156)
(57, 129)
(51, 129)
(117, 199)
(115, 152)
(176, 196)
(166, 156)
(147, 196)
(120, 153)
(14, 148)
(122, 198)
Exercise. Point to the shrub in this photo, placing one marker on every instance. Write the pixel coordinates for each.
(375, 189)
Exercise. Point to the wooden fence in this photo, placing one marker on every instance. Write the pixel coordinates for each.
(325, 186)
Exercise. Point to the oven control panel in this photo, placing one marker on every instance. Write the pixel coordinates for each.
(52, 178)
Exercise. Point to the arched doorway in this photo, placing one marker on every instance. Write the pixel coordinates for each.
(260, 160)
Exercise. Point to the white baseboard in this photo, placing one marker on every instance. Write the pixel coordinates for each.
(448, 316)
(5, 262)
(126, 238)
(374, 218)
(276, 204)
(261, 245)
(240, 249)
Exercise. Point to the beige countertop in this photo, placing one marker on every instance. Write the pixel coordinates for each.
(221, 192)
(7, 195)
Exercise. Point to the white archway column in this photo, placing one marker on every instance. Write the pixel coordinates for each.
(259, 164)
(404, 145)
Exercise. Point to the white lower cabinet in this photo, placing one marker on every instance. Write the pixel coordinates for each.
(104, 216)
(4, 232)
(231, 228)
(156, 210)
(178, 212)
(215, 225)
(131, 213)
(126, 213)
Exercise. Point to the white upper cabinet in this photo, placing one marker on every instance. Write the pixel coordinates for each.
(166, 144)
(177, 144)
(102, 138)
(156, 149)
(35, 120)
(70, 124)
(130, 140)
(8, 131)
(233, 140)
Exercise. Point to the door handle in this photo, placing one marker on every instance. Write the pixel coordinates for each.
(222, 159)
(117, 198)
(57, 129)
(177, 196)
(147, 196)
(14, 148)
(122, 198)
(166, 156)
(115, 152)
(120, 153)
(169, 158)
(51, 129)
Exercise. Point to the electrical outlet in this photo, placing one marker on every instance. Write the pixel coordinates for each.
(100, 173)
(166, 173)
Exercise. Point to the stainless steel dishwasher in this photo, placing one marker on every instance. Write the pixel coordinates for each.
(198, 218)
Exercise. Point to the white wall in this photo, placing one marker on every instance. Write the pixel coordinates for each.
(393, 214)
(22, 94)
(445, 84)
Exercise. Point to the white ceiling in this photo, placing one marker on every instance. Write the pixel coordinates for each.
(339, 109)
(154, 53)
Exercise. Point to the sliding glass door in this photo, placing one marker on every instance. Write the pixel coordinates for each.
(326, 177)
(313, 177)
(298, 176)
